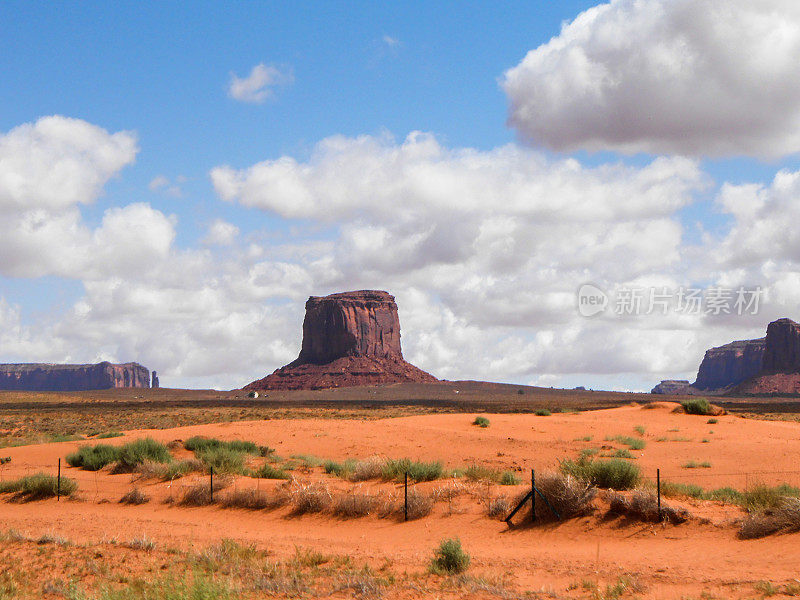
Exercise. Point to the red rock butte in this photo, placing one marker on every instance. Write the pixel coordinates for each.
(49, 377)
(349, 339)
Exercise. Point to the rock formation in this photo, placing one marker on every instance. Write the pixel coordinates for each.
(349, 339)
(769, 365)
(673, 387)
(155, 384)
(67, 378)
(729, 365)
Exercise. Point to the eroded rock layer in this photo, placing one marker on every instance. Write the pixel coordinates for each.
(728, 365)
(349, 339)
(67, 378)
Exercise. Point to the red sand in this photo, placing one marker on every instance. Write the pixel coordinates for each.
(673, 561)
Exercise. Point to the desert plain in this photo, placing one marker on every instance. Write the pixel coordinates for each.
(89, 543)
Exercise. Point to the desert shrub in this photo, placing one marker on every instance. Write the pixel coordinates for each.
(783, 519)
(250, 498)
(93, 458)
(369, 468)
(135, 496)
(614, 473)
(481, 422)
(712, 421)
(198, 587)
(348, 506)
(676, 490)
(339, 469)
(621, 453)
(568, 495)
(692, 464)
(198, 494)
(631, 442)
(199, 443)
(509, 478)
(222, 459)
(696, 406)
(419, 505)
(449, 558)
(479, 472)
(762, 497)
(639, 429)
(109, 434)
(268, 471)
(138, 451)
(417, 471)
(542, 412)
(498, 507)
(41, 485)
(181, 468)
(643, 505)
(312, 498)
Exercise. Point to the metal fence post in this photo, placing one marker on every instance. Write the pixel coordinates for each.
(658, 489)
(211, 486)
(533, 495)
(405, 505)
(58, 485)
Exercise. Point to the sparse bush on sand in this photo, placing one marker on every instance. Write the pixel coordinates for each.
(568, 495)
(268, 471)
(311, 498)
(783, 519)
(449, 558)
(481, 422)
(138, 451)
(38, 486)
(250, 498)
(135, 496)
(93, 458)
(348, 506)
(615, 473)
(697, 406)
(542, 412)
(642, 504)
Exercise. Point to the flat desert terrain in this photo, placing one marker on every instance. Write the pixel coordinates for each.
(91, 541)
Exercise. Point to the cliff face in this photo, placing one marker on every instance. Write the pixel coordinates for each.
(67, 378)
(782, 352)
(349, 339)
(729, 365)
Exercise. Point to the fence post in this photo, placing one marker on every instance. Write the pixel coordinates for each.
(405, 505)
(658, 488)
(58, 485)
(533, 495)
(211, 486)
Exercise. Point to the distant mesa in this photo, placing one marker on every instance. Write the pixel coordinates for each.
(46, 377)
(349, 339)
(768, 365)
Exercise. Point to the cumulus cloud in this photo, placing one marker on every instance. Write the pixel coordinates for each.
(692, 77)
(171, 187)
(221, 233)
(259, 85)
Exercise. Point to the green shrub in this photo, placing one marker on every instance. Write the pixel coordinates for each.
(677, 490)
(509, 478)
(639, 429)
(138, 451)
(109, 434)
(542, 412)
(93, 458)
(198, 588)
(481, 422)
(417, 471)
(222, 459)
(696, 406)
(42, 485)
(614, 473)
(622, 453)
(181, 468)
(339, 469)
(478, 472)
(449, 558)
(267, 471)
(712, 421)
(199, 444)
(631, 442)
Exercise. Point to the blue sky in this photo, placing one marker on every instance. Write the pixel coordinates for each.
(162, 71)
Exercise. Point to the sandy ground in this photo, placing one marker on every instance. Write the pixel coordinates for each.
(681, 561)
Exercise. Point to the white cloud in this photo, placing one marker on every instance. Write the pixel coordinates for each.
(390, 41)
(259, 85)
(221, 233)
(162, 183)
(693, 77)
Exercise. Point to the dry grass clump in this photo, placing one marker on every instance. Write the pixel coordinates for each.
(419, 505)
(250, 498)
(349, 506)
(643, 505)
(568, 495)
(498, 508)
(783, 519)
(135, 496)
(198, 494)
(369, 468)
(311, 498)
